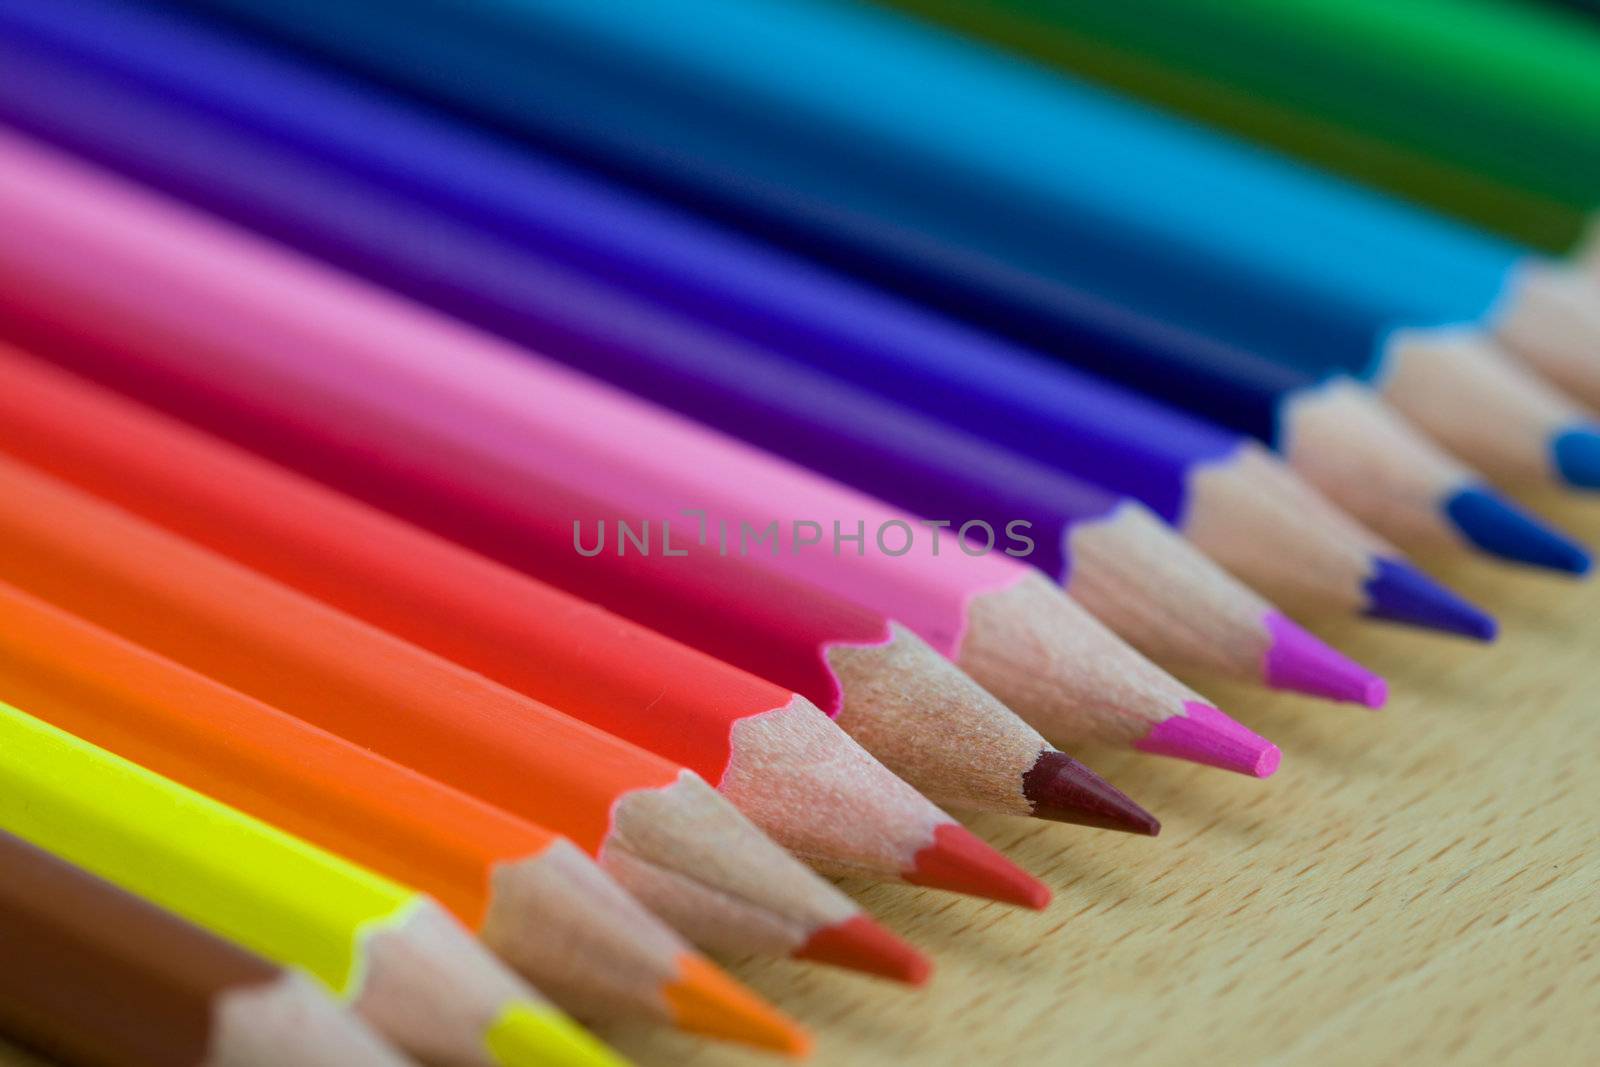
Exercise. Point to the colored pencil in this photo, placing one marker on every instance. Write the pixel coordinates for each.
(399, 960)
(96, 976)
(956, 375)
(1096, 223)
(202, 115)
(767, 749)
(16, 1055)
(855, 664)
(514, 883)
(335, 347)
(1485, 109)
(1562, 306)
(1318, 98)
(1151, 588)
(842, 657)
(657, 828)
(1587, 7)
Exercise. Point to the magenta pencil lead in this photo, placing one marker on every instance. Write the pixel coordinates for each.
(1202, 734)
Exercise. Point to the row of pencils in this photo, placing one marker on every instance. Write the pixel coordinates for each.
(499, 498)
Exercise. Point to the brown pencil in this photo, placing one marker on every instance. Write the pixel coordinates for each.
(96, 976)
(409, 970)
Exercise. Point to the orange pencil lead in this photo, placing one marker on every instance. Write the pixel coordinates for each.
(706, 1001)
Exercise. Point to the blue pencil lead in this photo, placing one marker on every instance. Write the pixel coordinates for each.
(1498, 526)
(1576, 453)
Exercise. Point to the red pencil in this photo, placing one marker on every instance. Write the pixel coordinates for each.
(767, 749)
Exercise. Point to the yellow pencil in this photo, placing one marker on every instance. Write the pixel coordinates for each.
(400, 962)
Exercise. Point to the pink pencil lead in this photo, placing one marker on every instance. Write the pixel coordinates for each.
(1202, 734)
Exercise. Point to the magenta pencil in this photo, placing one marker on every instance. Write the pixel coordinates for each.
(301, 344)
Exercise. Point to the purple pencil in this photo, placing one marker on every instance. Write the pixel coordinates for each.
(1112, 554)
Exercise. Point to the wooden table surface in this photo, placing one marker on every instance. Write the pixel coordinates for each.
(1415, 885)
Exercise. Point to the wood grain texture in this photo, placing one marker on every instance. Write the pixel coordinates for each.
(1415, 885)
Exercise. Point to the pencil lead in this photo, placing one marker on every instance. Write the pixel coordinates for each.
(1202, 734)
(862, 945)
(1061, 788)
(1499, 527)
(1576, 452)
(961, 861)
(1301, 663)
(534, 1035)
(1398, 592)
(705, 1000)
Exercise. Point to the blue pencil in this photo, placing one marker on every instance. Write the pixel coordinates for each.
(311, 159)
(1036, 205)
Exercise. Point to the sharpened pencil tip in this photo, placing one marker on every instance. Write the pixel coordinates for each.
(1576, 455)
(1500, 528)
(1061, 788)
(1398, 592)
(535, 1035)
(959, 860)
(1301, 663)
(1202, 734)
(862, 945)
(705, 1000)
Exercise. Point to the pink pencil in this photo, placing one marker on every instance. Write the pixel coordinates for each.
(304, 345)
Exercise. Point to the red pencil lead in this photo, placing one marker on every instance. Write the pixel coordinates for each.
(862, 945)
(959, 860)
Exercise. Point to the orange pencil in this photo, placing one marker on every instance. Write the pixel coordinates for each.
(772, 752)
(682, 849)
(534, 898)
